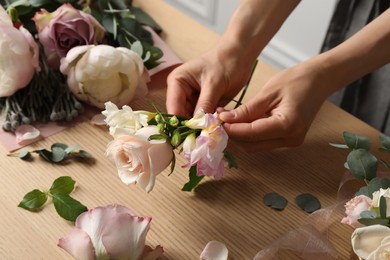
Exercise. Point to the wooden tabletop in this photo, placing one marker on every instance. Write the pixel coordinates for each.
(230, 210)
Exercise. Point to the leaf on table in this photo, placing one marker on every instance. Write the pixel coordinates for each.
(63, 184)
(275, 201)
(67, 207)
(308, 202)
(33, 200)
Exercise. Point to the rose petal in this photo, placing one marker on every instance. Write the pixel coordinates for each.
(26, 133)
(78, 244)
(365, 240)
(98, 119)
(214, 250)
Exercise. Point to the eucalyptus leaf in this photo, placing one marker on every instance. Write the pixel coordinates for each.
(59, 145)
(386, 164)
(275, 201)
(33, 200)
(118, 4)
(385, 140)
(110, 24)
(58, 155)
(146, 19)
(45, 154)
(24, 154)
(82, 154)
(230, 159)
(194, 180)
(362, 164)
(67, 207)
(375, 221)
(63, 184)
(308, 202)
(72, 148)
(137, 47)
(356, 141)
(39, 3)
(382, 207)
(368, 214)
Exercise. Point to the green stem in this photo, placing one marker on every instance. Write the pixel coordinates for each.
(239, 102)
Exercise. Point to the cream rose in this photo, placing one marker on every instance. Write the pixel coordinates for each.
(371, 242)
(102, 73)
(139, 160)
(376, 198)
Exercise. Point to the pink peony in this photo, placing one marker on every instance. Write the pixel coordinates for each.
(18, 56)
(354, 207)
(64, 29)
(110, 232)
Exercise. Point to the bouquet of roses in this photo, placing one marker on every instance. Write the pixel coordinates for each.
(369, 211)
(144, 142)
(55, 54)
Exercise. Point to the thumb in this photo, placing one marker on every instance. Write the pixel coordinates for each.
(246, 113)
(207, 101)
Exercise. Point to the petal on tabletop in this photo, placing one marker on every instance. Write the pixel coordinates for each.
(214, 250)
(78, 244)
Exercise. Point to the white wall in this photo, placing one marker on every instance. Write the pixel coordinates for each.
(299, 38)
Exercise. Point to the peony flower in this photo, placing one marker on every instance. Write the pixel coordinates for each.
(376, 198)
(110, 232)
(19, 55)
(371, 242)
(214, 250)
(125, 120)
(354, 207)
(102, 73)
(64, 29)
(210, 145)
(139, 160)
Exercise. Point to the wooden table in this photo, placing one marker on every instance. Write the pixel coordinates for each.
(230, 210)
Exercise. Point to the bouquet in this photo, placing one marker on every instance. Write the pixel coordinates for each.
(144, 142)
(369, 211)
(57, 56)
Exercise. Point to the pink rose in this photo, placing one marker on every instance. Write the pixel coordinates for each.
(64, 29)
(354, 207)
(110, 232)
(19, 56)
(139, 160)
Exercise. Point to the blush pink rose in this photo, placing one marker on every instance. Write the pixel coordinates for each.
(139, 160)
(64, 29)
(354, 207)
(110, 232)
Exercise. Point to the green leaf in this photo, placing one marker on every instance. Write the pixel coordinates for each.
(173, 162)
(67, 207)
(374, 221)
(146, 19)
(193, 180)
(118, 4)
(275, 201)
(230, 159)
(356, 141)
(59, 145)
(362, 164)
(307, 202)
(24, 155)
(39, 3)
(110, 24)
(72, 148)
(385, 140)
(368, 214)
(382, 207)
(137, 47)
(45, 154)
(63, 184)
(82, 154)
(33, 200)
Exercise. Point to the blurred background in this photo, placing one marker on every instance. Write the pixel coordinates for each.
(299, 38)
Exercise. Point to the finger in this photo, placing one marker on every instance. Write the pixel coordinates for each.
(272, 127)
(180, 100)
(207, 100)
(248, 112)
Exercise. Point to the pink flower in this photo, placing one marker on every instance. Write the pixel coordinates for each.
(110, 232)
(18, 56)
(64, 29)
(210, 145)
(354, 207)
(139, 160)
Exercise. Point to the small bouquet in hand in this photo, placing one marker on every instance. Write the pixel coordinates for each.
(144, 142)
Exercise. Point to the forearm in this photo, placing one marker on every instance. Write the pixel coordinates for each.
(253, 24)
(367, 50)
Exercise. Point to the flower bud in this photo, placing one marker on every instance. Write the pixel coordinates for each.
(173, 121)
(176, 139)
(13, 13)
(160, 127)
(159, 119)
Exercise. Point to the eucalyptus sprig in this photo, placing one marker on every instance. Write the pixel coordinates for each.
(66, 206)
(59, 153)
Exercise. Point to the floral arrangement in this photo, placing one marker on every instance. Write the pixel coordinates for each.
(144, 142)
(56, 56)
(369, 211)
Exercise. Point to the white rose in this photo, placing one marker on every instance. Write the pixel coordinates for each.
(18, 56)
(139, 160)
(371, 242)
(125, 120)
(102, 73)
(376, 198)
